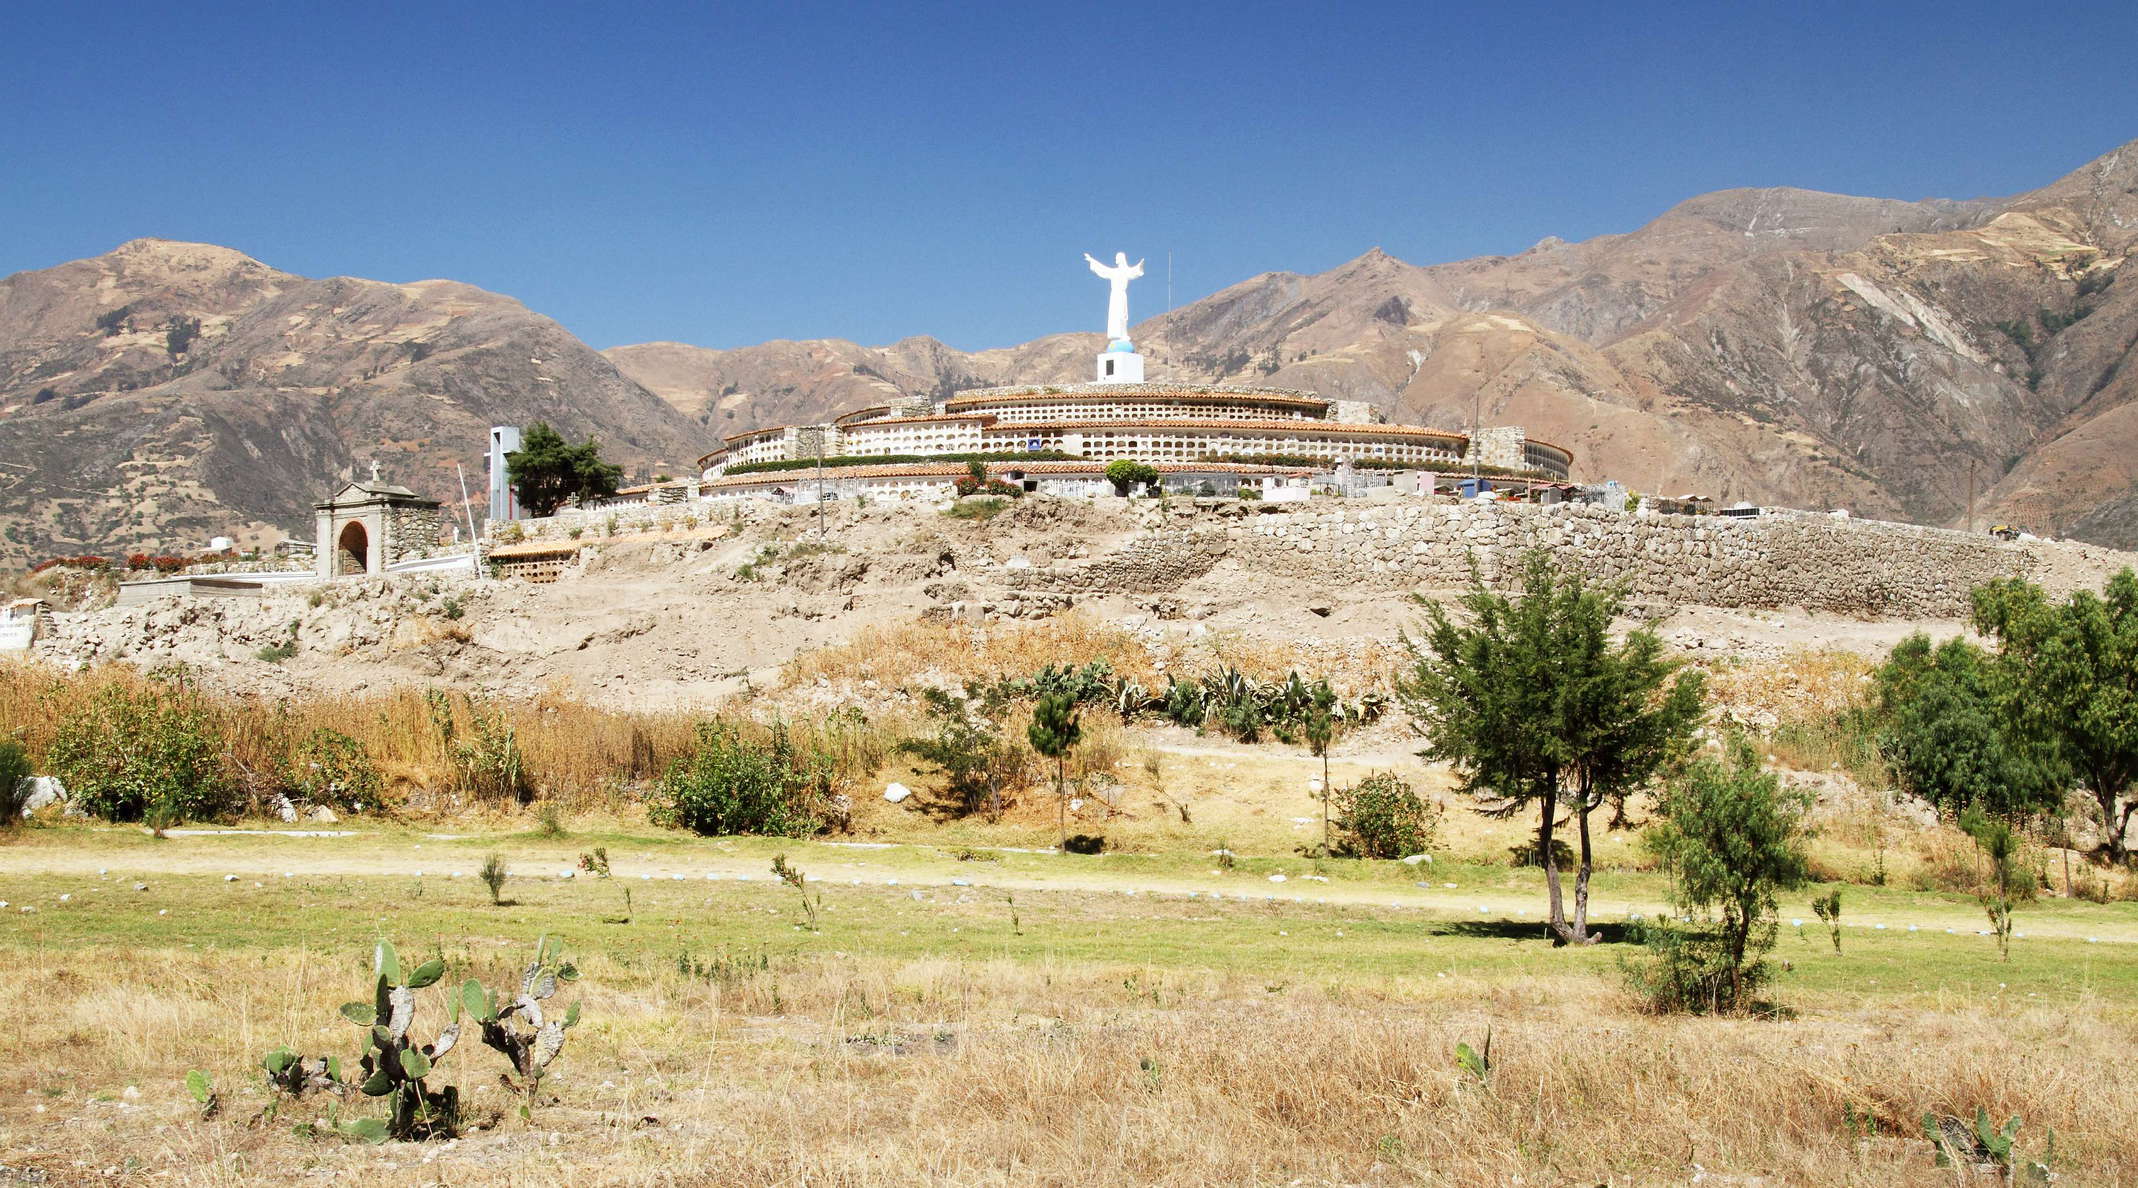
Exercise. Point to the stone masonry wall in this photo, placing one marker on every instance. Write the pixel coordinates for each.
(413, 532)
(1816, 562)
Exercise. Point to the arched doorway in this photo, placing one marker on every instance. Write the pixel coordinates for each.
(355, 545)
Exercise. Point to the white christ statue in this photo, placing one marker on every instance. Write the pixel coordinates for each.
(1119, 273)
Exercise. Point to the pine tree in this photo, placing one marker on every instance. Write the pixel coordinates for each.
(1054, 733)
(546, 471)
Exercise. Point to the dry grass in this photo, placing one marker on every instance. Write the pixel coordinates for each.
(926, 651)
(869, 1071)
(1805, 683)
(583, 757)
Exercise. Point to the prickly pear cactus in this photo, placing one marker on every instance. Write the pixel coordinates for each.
(519, 1028)
(289, 1073)
(394, 1066)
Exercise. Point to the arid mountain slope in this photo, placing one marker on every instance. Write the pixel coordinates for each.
(1774, 344)
(167, 392)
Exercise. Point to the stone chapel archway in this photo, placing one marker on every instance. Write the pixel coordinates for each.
(355, 548)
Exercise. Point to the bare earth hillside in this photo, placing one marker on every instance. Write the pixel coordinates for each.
(167, 392)
(1777, 345)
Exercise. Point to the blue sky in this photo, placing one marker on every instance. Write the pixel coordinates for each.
(724, 175)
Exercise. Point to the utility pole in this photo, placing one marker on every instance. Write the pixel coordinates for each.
(820, 483)
(1477, 426)
(1970, 495)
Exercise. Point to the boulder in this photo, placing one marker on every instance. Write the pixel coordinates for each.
(896, 793)
(39, 792)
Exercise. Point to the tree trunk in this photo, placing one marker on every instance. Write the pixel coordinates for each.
(1580, 933)
(2123, 823)
(1061, 798)
(1325, 804)
(1561, 934)
(1740, 936)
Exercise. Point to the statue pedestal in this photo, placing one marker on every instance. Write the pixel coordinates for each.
(1120, 367)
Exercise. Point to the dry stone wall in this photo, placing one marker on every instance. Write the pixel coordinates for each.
(1817, 562)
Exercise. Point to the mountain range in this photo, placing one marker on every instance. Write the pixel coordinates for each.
(1778, 345)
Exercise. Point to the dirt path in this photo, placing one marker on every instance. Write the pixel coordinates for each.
(260, 856)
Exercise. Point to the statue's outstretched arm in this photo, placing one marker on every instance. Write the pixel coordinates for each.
(1139, 269)
(1095, 265)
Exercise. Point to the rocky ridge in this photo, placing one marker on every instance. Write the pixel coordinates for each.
(167, 392)
(1777, 345)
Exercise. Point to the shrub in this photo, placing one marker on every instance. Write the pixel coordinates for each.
(488, 762)
(1949, 741)
(1084, 843)
(1380, 817)
(728, 783)
(977, 509)
(493, 874)
(1731, 838)
(14, 768)
(151, 754)
(334, 769)
(1126, 473)
(970, 751)
(1690, 972)
(2008, 882)
(1827, 908)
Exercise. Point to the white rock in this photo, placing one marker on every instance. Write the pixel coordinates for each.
(896, 793)
(41, 791)
(1415, 859)
(1076, 804)
(1277, 878)
(230, 878)
(961, 882)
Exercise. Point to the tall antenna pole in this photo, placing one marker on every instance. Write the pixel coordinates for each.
(1169, 280)
(467, 508)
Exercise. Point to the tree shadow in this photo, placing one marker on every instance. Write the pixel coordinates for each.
(1523, 930)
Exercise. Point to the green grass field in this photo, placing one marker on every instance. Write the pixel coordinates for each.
(993, 1016)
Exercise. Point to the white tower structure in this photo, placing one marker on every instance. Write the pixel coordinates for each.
(1118, 363)
(504, 505)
